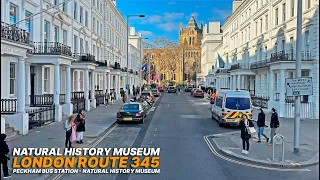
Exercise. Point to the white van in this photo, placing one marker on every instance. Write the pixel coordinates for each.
(229, 105)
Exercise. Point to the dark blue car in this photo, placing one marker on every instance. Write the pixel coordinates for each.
(131, 112)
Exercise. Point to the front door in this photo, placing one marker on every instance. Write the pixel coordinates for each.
(32, 81)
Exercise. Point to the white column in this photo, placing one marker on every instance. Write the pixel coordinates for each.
(27, 83)
(105, 86)
(282, 91)
(68, 85)
(21, 87)
(86, 89)
(238, 82)
(242, 82)
(93, 98)
(56, 95)
(271, 92)
(109, 82)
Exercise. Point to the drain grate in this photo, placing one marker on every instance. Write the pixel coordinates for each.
(225, 142)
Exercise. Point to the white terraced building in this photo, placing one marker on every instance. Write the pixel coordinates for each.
(259, 53)
(61, 60)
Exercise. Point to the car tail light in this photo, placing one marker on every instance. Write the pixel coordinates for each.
(118, 114)
(138, 114)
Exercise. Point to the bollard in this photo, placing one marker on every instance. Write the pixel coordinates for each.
(278, 139)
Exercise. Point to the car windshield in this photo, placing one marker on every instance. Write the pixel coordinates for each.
(154, 90)
(237, 103)
(171, 87)
(145, 94)
(130, 107)
(199, 91)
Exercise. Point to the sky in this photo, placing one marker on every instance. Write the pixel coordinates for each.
(163, 17)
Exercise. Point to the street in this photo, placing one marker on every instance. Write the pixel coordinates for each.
(178, 126)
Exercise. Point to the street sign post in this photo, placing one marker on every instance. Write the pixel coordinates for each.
(299, 86)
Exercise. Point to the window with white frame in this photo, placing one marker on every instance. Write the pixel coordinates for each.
(261, 25)
(56, 33)
(28, 21)
(307, 41)
(75, 79)
(75, 44)
(94, 24)
(81, 80)
(13, 14)
(266, 52)
(75, 10)
(277, 16)
(65, 37)
(94, 50)
(81, 46)
(284, 12)
(87, 47)
(292, 8)
(267, 23)
(46, 80)
(257, 28)
(86, 19)
(98, 23)
(100, 81)
(81, 14)
(46, 32)
(283, 44)
(308, 4)
(55, 2)
(98, 54)
(12, 79)
(64, 6)
(276, 81)
(305, 73)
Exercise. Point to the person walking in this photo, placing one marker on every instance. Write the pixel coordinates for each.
(261, 124)
(107, 99)
(80, 121)
(274, 124)
(4, 151)
(244, 124)
(69, 125)
(124, 97)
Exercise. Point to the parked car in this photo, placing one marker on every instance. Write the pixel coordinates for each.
(198, 93)
(192, 90)
(155, 92)
(144, 95)
(188, 89)
(172, 89)
(160, 89)
(131, 112)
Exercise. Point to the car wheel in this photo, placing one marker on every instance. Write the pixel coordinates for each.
(212, 116)
(221, 124)
(141, 121)
(119, 122)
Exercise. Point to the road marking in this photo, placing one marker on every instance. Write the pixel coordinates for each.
(168, 105)
(93, 145)
(243, 163)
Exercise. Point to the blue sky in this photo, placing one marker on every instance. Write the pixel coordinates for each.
(164, 16)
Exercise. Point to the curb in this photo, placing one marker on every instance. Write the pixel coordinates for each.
(314, 160)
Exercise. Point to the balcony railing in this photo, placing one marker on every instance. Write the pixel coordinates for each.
(259, 64)
(290, 56)
(14, 33)
(136, 73)
(51, 48)
(222, 71)
(102, 63)
(117, 65)
(124, 69)
(85, 57)
(131, 71)
(8, 106)
(77, 95)
(239, 66)
(45, 100)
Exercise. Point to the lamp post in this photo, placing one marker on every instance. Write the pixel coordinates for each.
(128, 34)
(140, 75)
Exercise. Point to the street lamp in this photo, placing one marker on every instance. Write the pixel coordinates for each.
(140, 75)
(128, 34)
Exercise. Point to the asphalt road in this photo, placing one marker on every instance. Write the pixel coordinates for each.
(177, 126)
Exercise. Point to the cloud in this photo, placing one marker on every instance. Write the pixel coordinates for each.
(220, 14)
(172, 3)
(203, 6)
(145, 33)
(171, 16)
(169, 26)
(151, 19)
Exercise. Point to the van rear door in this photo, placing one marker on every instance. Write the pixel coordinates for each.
(236, 106)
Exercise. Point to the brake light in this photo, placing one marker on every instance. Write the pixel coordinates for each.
(138, 114)
(118, 114)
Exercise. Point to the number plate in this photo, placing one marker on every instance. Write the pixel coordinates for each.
(127, 119)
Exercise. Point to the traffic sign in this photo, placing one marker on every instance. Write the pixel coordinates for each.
(299, 86)
(127, 86)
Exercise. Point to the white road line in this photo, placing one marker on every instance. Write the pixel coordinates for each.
(246, 164)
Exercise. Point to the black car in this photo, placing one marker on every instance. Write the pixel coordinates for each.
(188, 89)
(172, 89)
(131, 112)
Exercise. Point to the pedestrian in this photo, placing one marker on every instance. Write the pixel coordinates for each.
(114, 96)
(69, 126)
(4, 156)
(124, 97)
(244, 124)
(261, 124)
(80, 121)
(107, 99)
(274, 124)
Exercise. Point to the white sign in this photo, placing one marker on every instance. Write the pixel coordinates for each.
(299, 86)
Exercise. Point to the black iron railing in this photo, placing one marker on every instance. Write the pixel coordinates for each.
(41, 116)
(8, 106)
(41, 100)
(239, 66)
(117, 65)
(218, 71)
(78, 105)
(102, 63)
(77, 95)
(290, 56)
(131, 71)
(85, 57)
(51, 48)
(259, 64)
(16, 34)
(260, 101)
(62, 98)
(136, 73)
(124, 69)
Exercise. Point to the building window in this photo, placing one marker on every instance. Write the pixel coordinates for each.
(56, 34)
(46, 80)
(87, 47)
(283, 44)
(267, 23)
(276, 81)
(284, 12)
(94, 50)
(257, 5)
(249, 33)
(94, 25)
(98, 53)
(46, 32)
(308, 4)
(75, 44)
(81, 46)
(261, 25)
(307, 40)
(81, 15)
(98, 27)
(28, 21)
(65, 37)
(86, 18)
(55, 2)
(81, 80)
(292, 8)
(266, 52)
(75, 79)
(75, 11)
(305, 73)
(13, 14)
(64, 6)
(12, 78)
(101, 29)
(174, 77)
(277, 17)
(257, 28)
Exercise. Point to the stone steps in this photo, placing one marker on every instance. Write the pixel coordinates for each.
(11, 133)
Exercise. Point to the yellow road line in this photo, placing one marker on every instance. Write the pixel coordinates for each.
(246, 164)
